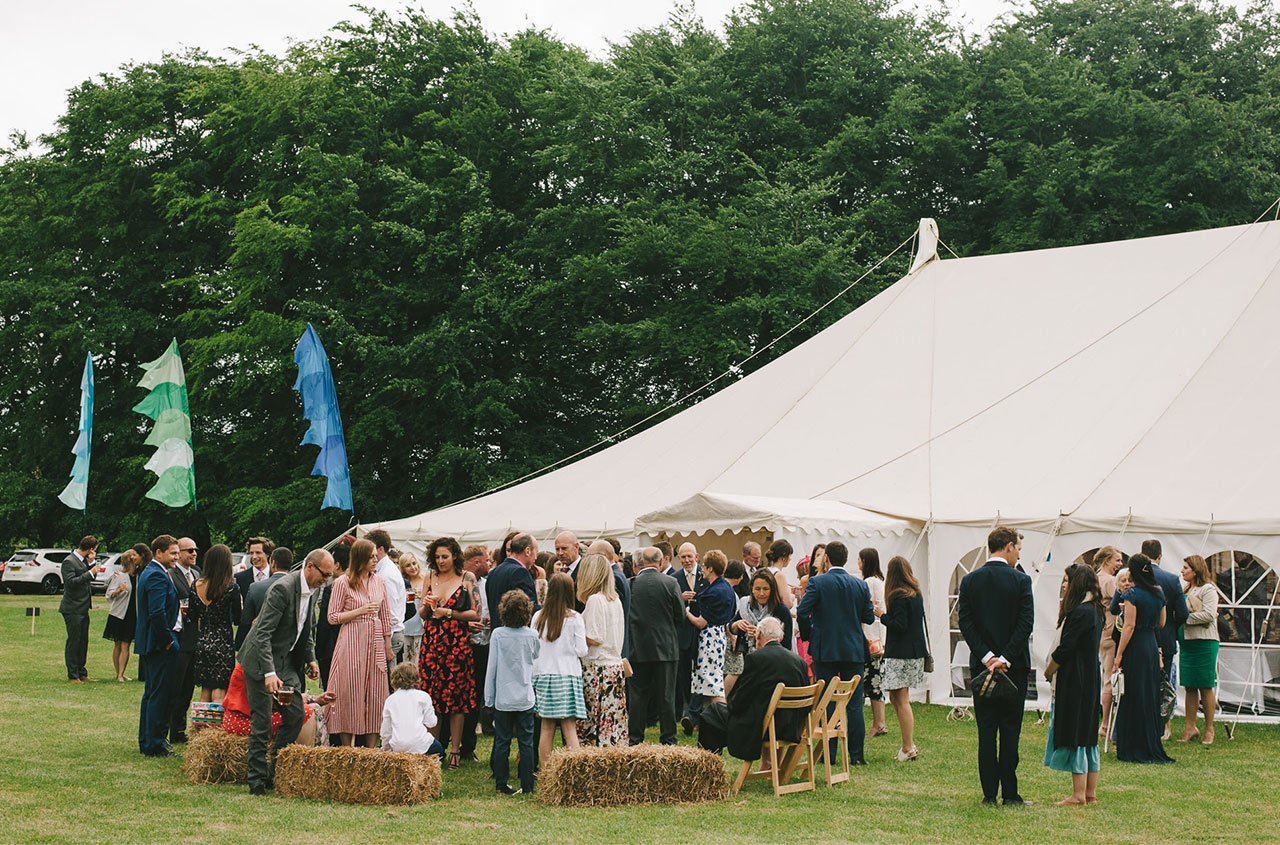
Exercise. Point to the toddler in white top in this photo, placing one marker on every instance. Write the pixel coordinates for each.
(408, 714)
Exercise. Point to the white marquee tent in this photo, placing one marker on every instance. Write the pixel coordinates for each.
(1087, 395)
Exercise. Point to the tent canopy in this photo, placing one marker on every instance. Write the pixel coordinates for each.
(1133, 382)
(721, 512)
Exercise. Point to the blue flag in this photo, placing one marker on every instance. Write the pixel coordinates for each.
(76, 491)
(320, 405)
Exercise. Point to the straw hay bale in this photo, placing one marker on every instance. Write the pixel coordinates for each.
(215, 756)
(641, 774)
(357, 775)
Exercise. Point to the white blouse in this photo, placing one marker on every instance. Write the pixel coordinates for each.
(604, 623)
(875, 631)
(564, 656)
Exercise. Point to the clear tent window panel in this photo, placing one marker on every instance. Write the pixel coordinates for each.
(1249, 631)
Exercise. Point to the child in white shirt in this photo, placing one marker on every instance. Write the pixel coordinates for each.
(407, 715)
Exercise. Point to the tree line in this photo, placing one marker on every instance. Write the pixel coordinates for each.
(511, 249)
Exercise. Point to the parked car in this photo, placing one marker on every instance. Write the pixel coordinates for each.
(34, 570)
(105, 565)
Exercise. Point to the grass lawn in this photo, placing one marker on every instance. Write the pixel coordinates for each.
(72, 771)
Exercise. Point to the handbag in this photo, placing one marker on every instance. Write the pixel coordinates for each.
(993, 685)
(928, 652)
(1168, 697)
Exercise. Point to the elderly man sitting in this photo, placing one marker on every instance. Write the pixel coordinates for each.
(741, 718)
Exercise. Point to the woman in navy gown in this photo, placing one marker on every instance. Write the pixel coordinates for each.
(1138, 723)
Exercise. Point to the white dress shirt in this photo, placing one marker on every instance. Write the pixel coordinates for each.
(397, 595)
(406, 715)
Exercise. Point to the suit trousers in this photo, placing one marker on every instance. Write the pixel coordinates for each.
(652, 683)
(684, 678)
(509, 724)
(184, 686)
(1000, 719)
(77, 649)
(158, 671)
(713, 730)
(481, 716)
(262, 771)
(854, 722)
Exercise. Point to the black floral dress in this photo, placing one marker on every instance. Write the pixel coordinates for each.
(446, 664)
(215, 658)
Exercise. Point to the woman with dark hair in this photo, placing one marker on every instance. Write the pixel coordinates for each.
(1198, 654)
(779, 558)
(905, 648)
(1138, 724)
(869, 569)
(218, 595)
(359, 672)
(761, 601)
(1075, 673)
(447, 664)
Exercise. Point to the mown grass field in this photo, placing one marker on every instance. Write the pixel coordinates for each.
(71, 772)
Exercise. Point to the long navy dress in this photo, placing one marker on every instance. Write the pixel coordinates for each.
(1138, 725)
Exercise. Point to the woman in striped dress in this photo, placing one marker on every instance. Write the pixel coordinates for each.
(358, 675)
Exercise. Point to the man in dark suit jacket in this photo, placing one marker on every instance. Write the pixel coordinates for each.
(185, 573)
(513, 573)
(156, 644)
(996, 615)
(740, 719)
(657, 614)
(279, 648)
(1176, 613)
(281, 563)
(690, 581)
(77, 576)
(259, 550)
(831, 615)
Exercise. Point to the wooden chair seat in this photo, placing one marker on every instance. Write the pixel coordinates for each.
(782, 767)
(835, 726)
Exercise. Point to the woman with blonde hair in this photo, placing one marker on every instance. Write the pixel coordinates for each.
(358, 605)
(604, 685)
(557, 670)
(122, 610)
(1107, 561)
(413, 626)
(1198, 655)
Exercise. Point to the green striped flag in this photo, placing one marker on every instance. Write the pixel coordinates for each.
(174, 461)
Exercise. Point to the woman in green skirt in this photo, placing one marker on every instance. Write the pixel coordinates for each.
(1198, 664)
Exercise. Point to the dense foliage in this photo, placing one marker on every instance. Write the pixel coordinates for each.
(511, 249)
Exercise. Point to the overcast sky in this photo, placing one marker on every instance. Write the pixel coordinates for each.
(50, 46)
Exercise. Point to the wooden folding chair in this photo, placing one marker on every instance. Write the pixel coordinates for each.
(786, 698)
(835, 726)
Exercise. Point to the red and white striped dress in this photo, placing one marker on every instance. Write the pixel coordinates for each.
(359, 671)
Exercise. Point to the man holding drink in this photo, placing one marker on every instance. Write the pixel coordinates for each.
(279, 648)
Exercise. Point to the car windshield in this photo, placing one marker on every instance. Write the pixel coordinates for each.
(18, 557)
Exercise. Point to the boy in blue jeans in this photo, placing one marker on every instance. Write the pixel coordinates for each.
(508, 689)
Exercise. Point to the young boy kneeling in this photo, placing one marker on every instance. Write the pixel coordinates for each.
(407, 715)
(508, 689)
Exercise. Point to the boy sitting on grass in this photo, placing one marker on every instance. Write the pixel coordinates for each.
(508, 689)
(407, 715)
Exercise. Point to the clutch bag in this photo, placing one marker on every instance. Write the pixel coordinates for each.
(993, 685)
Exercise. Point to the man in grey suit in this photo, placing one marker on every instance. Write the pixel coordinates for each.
(281, 563)
(279, 648)
(657, 611)
(77, 575)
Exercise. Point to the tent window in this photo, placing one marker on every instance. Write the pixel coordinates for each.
(1249, 628)
(959, 648)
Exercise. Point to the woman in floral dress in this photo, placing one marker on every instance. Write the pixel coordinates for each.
(604, 684)
(446, 664)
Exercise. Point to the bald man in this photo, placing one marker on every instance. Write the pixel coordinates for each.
(689, 579)
(659, 612)
(567, 555)
(184, 575)
(620, 584)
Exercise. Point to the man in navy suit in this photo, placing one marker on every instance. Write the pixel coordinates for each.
(513, 573)
(156, 645)
(1176, 612)
(996, 614)
(831, 615)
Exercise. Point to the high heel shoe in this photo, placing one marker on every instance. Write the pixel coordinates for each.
(1191, 738)
(904, 756)
(455, 760)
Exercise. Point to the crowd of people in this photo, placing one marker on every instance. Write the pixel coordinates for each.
(599, 646)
